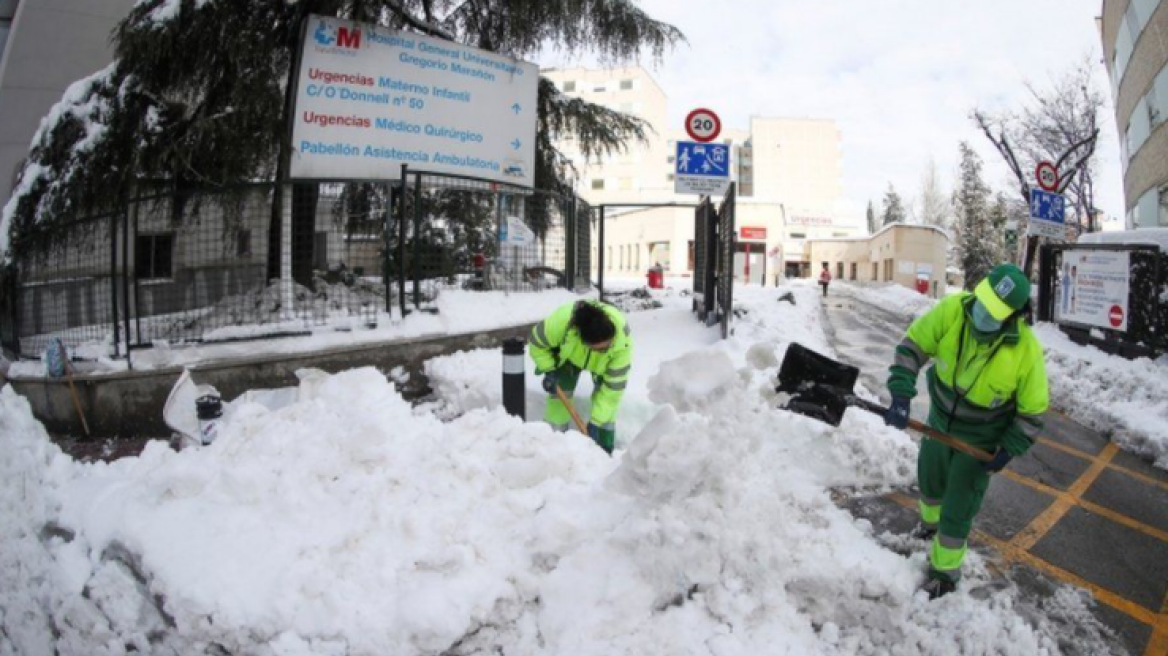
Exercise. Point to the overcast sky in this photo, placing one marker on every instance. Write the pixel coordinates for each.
(899, 76)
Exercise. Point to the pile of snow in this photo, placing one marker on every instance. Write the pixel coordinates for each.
(1127, 399)
(349, 523)
(892, 297)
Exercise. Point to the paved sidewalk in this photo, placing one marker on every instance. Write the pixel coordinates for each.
(1075, 509)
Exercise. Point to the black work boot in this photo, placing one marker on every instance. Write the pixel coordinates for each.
(924, 532)
(938, 587)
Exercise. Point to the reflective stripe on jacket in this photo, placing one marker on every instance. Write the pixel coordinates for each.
(555, 341)
(995, 396)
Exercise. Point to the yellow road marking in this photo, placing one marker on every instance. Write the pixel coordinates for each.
(1158, 642)
(1089, 506)
(1143, 478)
(1029, 536)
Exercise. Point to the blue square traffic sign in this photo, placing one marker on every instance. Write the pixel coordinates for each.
(704, 159)
(1047, 206)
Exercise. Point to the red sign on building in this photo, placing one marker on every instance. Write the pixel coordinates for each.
(746, 232)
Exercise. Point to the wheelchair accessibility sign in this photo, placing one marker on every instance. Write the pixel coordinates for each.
(702, 168)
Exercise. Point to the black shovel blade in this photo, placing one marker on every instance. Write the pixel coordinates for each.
(803, 368)
(819, 386)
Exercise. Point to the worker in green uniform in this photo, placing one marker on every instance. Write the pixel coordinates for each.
(987, 387)
(590, 336)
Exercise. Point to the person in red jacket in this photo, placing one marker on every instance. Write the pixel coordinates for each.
(824, 279)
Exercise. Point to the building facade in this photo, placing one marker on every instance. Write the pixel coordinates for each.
(788, 172)
(910, 255)
(1135, 49)
(46, 45)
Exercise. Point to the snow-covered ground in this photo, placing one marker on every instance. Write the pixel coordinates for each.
(458, 312)
(341, 520)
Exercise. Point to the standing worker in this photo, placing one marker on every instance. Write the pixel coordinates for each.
(987, 388)
(584, 336)
(824, 279)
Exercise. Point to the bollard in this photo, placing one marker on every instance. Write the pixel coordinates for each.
(514, 387)
(209, 409)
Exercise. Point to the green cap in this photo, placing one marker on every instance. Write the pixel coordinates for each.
(1004, 291)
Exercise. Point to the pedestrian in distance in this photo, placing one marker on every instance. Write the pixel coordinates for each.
(824, 279)
(580, 336)
(987, 387)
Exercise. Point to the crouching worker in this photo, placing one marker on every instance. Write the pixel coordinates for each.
(987, 387)
(582, 336)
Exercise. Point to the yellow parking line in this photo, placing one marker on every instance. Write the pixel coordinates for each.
(1011, 552)
(1158, 642)
(1143, 478)
(1029, 536)
(1089, 506)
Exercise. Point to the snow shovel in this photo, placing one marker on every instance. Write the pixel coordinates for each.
(821, 388)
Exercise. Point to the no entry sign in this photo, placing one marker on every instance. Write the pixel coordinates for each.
(703, 125)
(1047, 176)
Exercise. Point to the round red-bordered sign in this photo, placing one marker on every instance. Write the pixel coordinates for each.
(703, 125)
(1115, 316)
(1047, 176)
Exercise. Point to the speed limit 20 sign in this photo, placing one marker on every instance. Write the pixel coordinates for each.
(1047, 176)
(703, 125)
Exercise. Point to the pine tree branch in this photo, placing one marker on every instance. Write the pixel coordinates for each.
(419, 24)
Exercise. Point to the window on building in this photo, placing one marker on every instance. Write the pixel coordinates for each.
(1160, 91)
(1123, 48)
(855, 268)
(609, 263)
(626, 85)
(1140, 127)
(875, 271)
(600, 88)
(839, 270)
(669, 177)
(154, 257)
(569, 86)
(798, 235)
(1148, 210)
(671, 159)
(598, 184)
(1144, 10)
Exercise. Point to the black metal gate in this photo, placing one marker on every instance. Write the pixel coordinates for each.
(728, 238)
(714, 245)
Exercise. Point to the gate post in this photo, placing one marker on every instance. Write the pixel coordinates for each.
(600, 256)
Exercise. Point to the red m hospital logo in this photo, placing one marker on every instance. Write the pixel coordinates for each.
(348, 38)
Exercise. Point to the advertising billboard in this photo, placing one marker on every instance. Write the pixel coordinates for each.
(1093, 289)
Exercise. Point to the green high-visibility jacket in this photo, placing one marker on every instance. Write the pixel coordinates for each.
(990, 395)
(554, 341)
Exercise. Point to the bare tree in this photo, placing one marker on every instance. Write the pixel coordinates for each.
(1059, 124)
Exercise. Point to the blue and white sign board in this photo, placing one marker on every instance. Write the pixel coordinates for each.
(369, 99)
(1047, 215)
(702, 168)
(514, 231)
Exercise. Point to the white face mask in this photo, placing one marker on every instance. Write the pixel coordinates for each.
(983, 320)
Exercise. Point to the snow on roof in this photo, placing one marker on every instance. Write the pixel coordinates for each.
(885, 228)
(1153, 236)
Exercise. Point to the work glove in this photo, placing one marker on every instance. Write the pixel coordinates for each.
(605, 438)
(550, 380)
(999, 462)
(897, 413)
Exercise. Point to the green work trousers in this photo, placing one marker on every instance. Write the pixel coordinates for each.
(556, 413)
(952, 488)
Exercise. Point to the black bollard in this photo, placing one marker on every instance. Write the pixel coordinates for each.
(514, 390)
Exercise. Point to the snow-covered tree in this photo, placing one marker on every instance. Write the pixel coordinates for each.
(873, 224)
(198, 95)
(978, 245)
(893, 207)
(934, 204)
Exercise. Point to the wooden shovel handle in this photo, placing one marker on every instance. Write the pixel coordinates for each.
(950, 441)
(571, 410)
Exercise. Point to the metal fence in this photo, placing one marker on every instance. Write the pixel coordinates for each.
(1124, 312)
(714, 246)
(266, 260)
